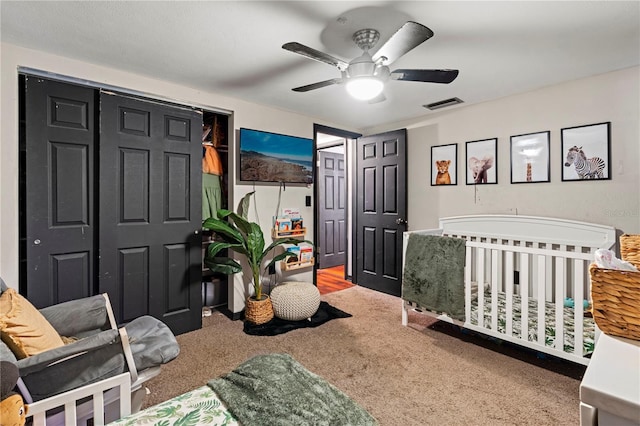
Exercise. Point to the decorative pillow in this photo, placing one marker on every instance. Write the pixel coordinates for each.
(23, 328)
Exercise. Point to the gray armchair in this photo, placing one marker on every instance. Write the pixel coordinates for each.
(102, 350)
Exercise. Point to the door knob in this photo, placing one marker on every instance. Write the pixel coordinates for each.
(197, 232)
(401, 221)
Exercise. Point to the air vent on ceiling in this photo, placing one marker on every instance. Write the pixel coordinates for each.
(443, 104)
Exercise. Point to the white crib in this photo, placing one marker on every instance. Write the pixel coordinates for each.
(521, 261)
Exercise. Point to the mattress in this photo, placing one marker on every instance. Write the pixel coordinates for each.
(200, 406)
(550, 326)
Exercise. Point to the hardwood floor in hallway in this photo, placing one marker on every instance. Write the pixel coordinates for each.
(332, 279)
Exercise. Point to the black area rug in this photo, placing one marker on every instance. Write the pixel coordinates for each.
(325, 313)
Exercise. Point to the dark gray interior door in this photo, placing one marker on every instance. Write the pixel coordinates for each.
(381, 208)
(57, 191)
(332, 214)
(150, 210)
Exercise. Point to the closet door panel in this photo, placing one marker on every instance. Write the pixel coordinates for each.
(57, 192)
(150, 195)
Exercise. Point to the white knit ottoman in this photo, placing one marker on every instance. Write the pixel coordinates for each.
(295, 300)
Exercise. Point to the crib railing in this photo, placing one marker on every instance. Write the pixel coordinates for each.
(523, 261)
(96, 401)
(548, 274)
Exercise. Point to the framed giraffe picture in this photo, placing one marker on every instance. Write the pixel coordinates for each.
(530, 158)
(586, 152)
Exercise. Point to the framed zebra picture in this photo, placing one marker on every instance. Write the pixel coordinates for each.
(530, 158)
(586, 152)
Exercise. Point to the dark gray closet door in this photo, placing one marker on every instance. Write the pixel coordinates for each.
(57, 192)
(150, 210)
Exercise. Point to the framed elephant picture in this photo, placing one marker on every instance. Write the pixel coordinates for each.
(482, 161)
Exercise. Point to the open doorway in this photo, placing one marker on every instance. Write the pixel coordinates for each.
(333, 209)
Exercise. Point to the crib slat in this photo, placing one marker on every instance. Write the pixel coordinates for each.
(70, 413)
(39, 419)
(98, 408)
(542, 273)
(524, 296)
(509, 293)
(548, 278)
(561, 285)
(495, 282)
(125, 403)
(480, 282)
(578, 312)
(467, 283)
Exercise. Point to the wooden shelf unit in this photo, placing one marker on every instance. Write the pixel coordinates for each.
(296, 265)
(275, 234)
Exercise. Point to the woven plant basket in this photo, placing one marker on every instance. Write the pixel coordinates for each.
(258, 311)
(616, 301)
(630, 249)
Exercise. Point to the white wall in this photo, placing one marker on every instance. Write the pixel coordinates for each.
(245, 115)
(613, 97)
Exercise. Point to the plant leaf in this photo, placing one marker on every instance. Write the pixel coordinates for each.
(255, 242)
(223, 265)
(216, 247)
(223, 213)
(242, 224)
(243, 207)
(224, 230)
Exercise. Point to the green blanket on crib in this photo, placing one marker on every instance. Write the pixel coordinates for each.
(433, 275)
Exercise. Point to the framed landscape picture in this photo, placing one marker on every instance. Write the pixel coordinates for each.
(444, 165)
(586, 152)
(272, 157)
(530, 158)
(482, 161)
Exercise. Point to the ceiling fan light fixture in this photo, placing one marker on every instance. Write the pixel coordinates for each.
(364, 88)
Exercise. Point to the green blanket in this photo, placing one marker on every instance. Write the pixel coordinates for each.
(275, 389)
(433, 275)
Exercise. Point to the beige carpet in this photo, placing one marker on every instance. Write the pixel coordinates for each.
(425, 374)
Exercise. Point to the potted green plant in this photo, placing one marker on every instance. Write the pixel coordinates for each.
(236, 233)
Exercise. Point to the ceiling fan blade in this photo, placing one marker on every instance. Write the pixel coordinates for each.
(314, 54)
(410, 35)
(427, 76)
(317, 85)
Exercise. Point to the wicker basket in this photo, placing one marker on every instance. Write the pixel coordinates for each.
(258, 311)
(630, 249)
(616, 301)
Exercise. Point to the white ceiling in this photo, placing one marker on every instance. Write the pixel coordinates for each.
(234, 47)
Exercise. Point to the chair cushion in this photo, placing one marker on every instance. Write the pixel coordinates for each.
(152, 342)
(295, 301)
(23, 328)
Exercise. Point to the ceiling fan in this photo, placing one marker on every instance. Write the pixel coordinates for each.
(366, 75)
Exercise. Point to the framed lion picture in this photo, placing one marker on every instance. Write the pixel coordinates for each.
(444, 165)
